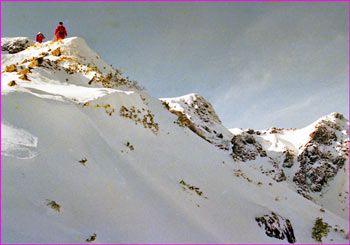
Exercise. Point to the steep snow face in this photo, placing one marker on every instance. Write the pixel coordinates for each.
(17, 142)
(198, 114)
(314, 159)
(105, 163)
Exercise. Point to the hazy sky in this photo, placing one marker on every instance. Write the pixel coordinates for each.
(281, 64)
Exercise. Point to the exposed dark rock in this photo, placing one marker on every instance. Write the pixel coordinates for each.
(15, 45)
(54, 205)
(24, 71)
(338, 116)
(288, 159)
(263, 153)
(301, 192)
(317, 163)
(320, 229)
(56, 52)
(183, 121)
(36, 62)
(316, 168)
(24, 77)
(250, 140)
(275, 130)
(276, 226)
(207, 129)
(91, 238)
(245, 147)
(322, 135)
(12, 83)
(280, 176)
(251, 131)
(199, 116)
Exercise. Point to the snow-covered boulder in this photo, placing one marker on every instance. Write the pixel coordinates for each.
(14, 45)
(245, 147)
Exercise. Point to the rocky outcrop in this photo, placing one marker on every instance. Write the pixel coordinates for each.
(197, 114)
(322, 157)
(288, 160)
(15, 45)
(11, 68)
(245, 147)
(316, 168)
(276, 226)
(322, 135)
(309, 159)
(56, 52)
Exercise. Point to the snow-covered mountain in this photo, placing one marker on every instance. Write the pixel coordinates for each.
(198, 114)
(313, 160)
(88, 156)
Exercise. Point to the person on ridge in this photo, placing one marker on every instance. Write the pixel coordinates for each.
(39, 37)
(60, 32)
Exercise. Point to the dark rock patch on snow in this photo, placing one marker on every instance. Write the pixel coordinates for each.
(197, 114)
(276, 226)
(15, 45)
(245, 147)
(317, 165)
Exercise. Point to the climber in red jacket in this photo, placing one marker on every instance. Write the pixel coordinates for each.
(60, 32)
(39, 37)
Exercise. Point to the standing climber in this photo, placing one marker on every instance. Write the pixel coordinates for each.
(60, 32)
(39, 37)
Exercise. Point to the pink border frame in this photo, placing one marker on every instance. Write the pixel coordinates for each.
(167, 1)
(175, 1)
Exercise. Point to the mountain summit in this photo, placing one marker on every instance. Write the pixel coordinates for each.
(89, 156)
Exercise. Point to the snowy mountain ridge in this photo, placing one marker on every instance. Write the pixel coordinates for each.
(87, 156)
(309, 159)
(198, 114)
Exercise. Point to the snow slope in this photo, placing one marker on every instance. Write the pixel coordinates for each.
(107, 158)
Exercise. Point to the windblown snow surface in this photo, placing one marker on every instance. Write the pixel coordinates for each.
(89, 157)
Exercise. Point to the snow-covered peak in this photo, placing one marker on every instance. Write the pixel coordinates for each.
(335, 122)
(77, 47)
(198, 114)
(200, 105)
(67, 68)
(334, 117)
(235, 131)
(294, 139)
(74, 47)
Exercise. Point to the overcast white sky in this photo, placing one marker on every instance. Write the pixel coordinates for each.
(281, 64)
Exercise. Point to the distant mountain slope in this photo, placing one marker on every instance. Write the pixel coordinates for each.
(314, 159)
(87, 156)
(198, 114)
